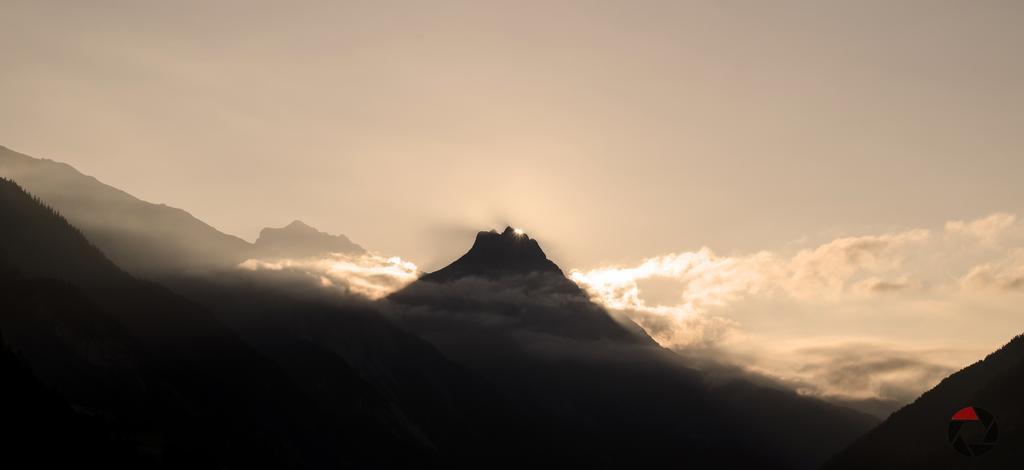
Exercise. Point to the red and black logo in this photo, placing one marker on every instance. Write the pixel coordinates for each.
(973, 431)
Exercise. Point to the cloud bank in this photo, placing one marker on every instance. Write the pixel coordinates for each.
(881, 316)
(868, 317)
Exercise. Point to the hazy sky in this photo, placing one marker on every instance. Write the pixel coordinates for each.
(781, 135)
(609, 130)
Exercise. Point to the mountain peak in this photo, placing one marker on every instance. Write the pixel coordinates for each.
(494, 255)
(512, 231)
(299, 239)
(298, 225)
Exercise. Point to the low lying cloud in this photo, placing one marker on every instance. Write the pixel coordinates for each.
(867, 370)
(869, 317)
(1005, 274)
(369, 275)
(898, 288)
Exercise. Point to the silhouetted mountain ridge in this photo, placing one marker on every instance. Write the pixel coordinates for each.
(494, 255)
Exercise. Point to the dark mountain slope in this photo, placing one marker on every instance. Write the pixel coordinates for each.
(462, 417)
(37, 421)
(163, 366)
(916, 435)
(74, 345)
(613, 396)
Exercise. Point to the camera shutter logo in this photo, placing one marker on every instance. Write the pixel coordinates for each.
(966, 425)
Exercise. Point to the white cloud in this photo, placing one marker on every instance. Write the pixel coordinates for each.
(709, 280)
(830, 268)
(369, 275)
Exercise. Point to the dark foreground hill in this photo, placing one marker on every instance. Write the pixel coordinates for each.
(917, 436)
(174, 381)
(618, 399)
(41, 430)
(462, 418)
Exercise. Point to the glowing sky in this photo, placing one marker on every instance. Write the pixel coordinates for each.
(625, 136)
(612, 131)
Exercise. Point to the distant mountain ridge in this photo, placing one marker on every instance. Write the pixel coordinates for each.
(297, 240)
(147, 239)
